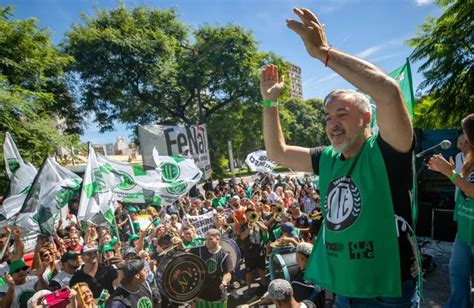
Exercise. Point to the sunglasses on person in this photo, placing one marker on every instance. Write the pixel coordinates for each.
(23, 269)
(47, 255)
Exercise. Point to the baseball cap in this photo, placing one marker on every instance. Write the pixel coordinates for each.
(107, 248)
(133, 237)
(69, 255)
(131, 268)
(89, 249)
(113, 241)
(131, 209)
(16, 265)
(288, 228)
(280, 289)
(129, 250)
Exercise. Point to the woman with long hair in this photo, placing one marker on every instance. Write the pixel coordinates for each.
(461, 262)
(84, 297)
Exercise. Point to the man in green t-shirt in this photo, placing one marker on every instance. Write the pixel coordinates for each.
(365, 250)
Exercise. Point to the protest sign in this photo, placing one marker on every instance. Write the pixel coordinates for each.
(187, 141)
(259, 162)
(201, 223)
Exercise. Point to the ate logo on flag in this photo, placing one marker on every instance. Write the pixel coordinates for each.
(170, 172)
(126, 182)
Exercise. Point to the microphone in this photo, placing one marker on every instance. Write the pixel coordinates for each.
(443, 145)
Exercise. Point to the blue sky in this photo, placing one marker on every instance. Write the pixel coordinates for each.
(375, 30)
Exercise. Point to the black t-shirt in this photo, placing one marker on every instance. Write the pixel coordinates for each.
(143, 297)
(217, 264)
(103, 279)
(303, 289)
(400, 177)
(253, 244)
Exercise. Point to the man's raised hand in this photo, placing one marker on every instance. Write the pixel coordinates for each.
(271, 84)
(311, 32)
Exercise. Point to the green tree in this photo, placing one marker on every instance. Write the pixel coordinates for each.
(446, 47)
(140, 66)
(33, 90)
(306, 127)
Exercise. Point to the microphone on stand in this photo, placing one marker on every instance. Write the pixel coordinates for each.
(443, 145)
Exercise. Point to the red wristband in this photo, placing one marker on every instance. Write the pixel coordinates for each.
(327, 57)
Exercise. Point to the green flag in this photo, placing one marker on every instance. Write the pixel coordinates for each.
(403, 76)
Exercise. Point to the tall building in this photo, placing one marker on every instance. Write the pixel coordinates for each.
(295, 82)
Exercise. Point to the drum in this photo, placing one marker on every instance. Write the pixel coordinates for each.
(181, 276)
(234, 251)
(283, 265)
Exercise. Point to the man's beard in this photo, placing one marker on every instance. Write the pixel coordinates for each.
(349, 142)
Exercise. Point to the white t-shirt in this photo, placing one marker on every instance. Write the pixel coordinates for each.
(63, 278)
(24, 292)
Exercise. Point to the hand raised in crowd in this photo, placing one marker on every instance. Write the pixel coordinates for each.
(9, 280)
(271, 85)
(17, 233)
(440, 164)
(311, 31)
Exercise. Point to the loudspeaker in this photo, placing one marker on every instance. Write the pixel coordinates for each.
(444, 228)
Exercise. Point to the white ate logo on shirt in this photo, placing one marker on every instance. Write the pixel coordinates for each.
(343, 204)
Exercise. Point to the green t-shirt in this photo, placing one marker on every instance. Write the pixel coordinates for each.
(219, 202)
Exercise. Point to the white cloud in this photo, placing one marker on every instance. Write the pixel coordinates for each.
(366, 53)
(424, 2)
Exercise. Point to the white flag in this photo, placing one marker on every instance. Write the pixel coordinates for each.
(177, 175)
(258, 162)
(21, 176)
(48, 197)
(124, 179)
(97, 196)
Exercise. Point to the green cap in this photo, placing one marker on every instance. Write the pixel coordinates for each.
(107, 248)
(16, 265)
(113, 241)
(131, 209)
(133, 237)
(156, 223)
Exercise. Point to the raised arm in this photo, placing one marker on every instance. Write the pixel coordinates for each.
(290, 156)
(392, 116)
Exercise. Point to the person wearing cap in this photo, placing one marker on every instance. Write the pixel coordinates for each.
(70, 264)
(95, 274)
(252, 234)
(279, 183)
(281, 293)
(134, 290)
(218, 267)
(22, 286)
(301, 221)
(303, 289)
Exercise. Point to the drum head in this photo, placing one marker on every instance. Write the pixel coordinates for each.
(234, 251)
(183, 277)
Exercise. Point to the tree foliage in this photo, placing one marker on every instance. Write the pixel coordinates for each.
(33, 90)
(306, 127)
(446, 47)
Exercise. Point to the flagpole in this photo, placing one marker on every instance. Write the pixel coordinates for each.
(4, 249)
(116, 228)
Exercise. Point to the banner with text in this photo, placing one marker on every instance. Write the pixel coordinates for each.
(259, 162)
(187, 141)
(201, 223)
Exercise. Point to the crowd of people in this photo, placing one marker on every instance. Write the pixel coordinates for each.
(100, 267)
(364, 251)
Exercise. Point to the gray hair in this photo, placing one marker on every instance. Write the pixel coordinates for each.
(280, 290)
(213, 232)
(359, 99)
(304, 249)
